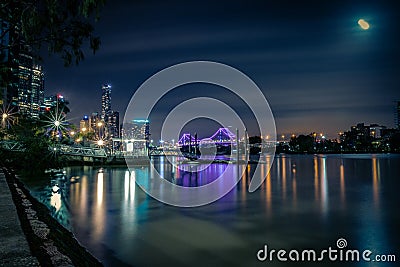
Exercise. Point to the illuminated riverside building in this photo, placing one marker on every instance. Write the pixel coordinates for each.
(135, 135)
(112, 124)
(95, 121)
(24, 90)
(137, 129)
(84, 125)
(52, 101)
(30, 87)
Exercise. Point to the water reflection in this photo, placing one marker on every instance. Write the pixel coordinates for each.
(324, 185)
(55, 200)
(342, 184)
(100, 187)
(98, 212)
(283, 159)
(306, 201)
(375, 181)
(316, 179)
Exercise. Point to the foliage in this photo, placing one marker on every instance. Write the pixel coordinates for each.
(61, 25)
(303, 143)
(255, 140)
(31, 135)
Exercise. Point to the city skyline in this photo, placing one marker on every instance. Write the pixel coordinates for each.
(318, 69)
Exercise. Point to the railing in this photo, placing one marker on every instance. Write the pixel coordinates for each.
(12, 145)
(80, 151)
(163, 152)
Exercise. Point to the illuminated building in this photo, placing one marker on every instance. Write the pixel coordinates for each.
(51, 102)
(84, 124)
(95, 121)
(105, 101)
(138, 129)
(25, 86)
(112, 124)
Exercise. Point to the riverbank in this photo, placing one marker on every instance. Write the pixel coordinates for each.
(49, 242)
(14, 248)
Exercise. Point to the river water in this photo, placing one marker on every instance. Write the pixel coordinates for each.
(306, 202)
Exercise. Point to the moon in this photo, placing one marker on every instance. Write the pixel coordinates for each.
(363, 24)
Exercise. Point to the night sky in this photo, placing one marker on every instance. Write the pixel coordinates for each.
(318, 69)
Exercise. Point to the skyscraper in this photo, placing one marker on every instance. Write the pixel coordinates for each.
(30, 79)
(105, 101)
(113, 124)
(138, 129)
(22, 80)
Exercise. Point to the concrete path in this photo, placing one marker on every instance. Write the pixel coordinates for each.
(14, 249)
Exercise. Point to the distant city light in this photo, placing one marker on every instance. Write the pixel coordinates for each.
(140, 121)
(100, 142)
(57, 123)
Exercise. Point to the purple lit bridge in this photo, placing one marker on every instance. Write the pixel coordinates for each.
(221, 137)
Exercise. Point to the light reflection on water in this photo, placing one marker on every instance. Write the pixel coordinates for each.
(306, 201)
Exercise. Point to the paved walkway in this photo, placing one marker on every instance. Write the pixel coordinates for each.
(14, 249)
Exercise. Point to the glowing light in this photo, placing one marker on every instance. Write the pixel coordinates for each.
(7, 117)
(99, 124)
(55, 121)
(72, 133)
(363, 24)
(55, 188)
(84, 129)
(100, 142)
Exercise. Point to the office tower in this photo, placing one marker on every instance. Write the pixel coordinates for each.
(139, 129)
(112, 124)
(22, 82)
(84, 124)
(105, 101)
(54, 102)
(95, 121)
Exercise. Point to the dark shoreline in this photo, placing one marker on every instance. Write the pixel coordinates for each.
(49, 241)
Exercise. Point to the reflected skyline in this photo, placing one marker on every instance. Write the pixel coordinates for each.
(305, 201)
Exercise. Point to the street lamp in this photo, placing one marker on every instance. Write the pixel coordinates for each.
(100, 142)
